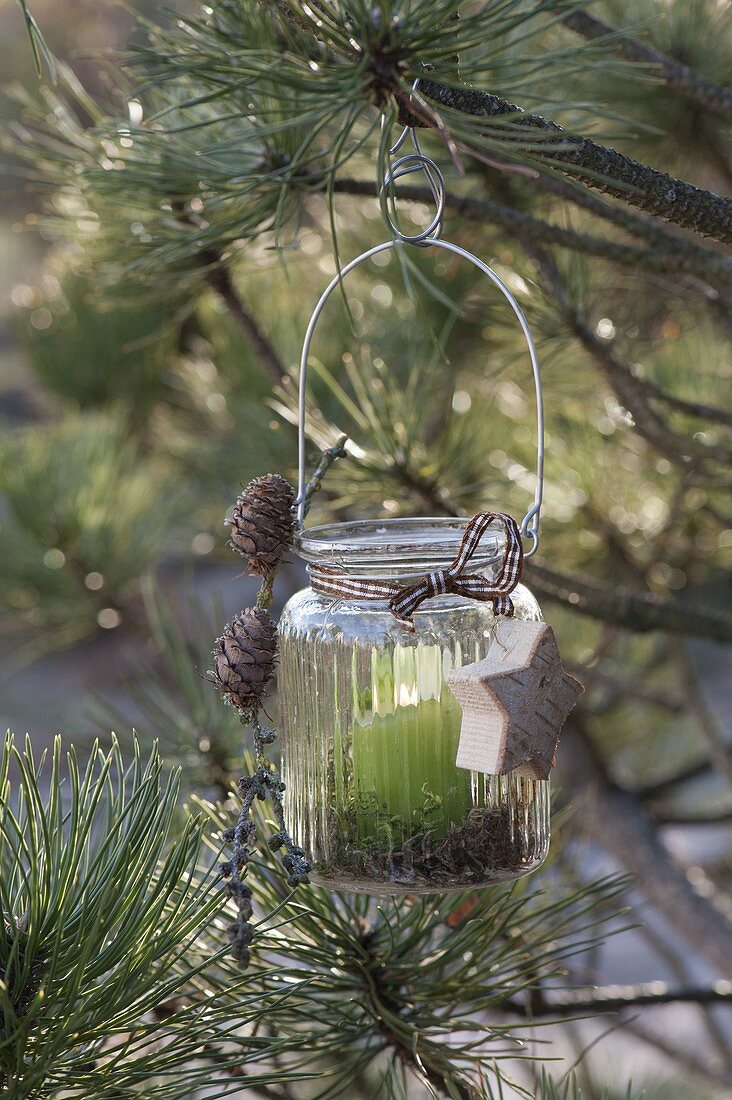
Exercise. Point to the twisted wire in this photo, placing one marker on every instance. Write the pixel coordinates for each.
(404, 166)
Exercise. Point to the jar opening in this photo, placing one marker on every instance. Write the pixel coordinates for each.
(397, 548)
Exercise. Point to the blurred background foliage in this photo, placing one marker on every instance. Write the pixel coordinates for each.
(167, 232)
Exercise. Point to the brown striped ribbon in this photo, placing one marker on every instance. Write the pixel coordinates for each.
(405, 599)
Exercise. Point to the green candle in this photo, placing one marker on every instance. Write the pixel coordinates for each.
(406, 726)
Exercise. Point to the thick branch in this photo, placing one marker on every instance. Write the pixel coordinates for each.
(712, 413)
(618, 688)
(662, 786)
(711, 817)
(697, 261)
(220, 279)
(694, 86)
(707, 724)
(614, 998)
(621, 826)
(668, 1044)
(218, 276)
(607, 170)
(638, 225)
(632, 610)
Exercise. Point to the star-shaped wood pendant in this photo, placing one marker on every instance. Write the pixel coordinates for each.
(514, 702)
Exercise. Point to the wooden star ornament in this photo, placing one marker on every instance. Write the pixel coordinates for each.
(514, 702)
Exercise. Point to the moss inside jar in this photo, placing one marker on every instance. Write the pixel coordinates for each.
(371, 728)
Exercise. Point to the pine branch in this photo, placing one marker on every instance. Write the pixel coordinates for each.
(422, 1064)
(707, 724)
(630, 390)
(694, 86)
(606, 170)
(699, 409)
(674, 259)
(219, 277)
(619, 688)
(634, 611)
(711, 817)
(615, 998)
(688, 1060)
(399, 988)
(105, 870)
(662, 786)
(621, 826)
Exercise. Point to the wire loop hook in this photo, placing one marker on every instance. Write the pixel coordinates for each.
(404, 166)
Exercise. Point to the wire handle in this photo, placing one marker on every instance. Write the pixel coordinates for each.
(427, 238)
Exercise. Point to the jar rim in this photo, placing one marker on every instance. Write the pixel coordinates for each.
(397, 546)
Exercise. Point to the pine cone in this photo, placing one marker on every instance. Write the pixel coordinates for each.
(263, 522)
(244, 658)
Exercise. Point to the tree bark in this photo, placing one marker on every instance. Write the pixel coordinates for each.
(605, 169)
(632, 610)
(694, 86)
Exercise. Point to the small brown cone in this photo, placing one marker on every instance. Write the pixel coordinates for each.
(263, 522)
(244, 658)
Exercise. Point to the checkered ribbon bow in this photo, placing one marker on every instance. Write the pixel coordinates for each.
(405, 599)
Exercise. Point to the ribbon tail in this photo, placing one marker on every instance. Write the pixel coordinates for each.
(476, 587)
(403, 605)
(503, 605)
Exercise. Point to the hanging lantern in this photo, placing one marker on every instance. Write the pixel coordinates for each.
(421, 693)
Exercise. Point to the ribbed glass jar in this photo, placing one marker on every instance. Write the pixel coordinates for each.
(370, 728)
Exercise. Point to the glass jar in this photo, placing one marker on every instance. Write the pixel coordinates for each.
(370, 728)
